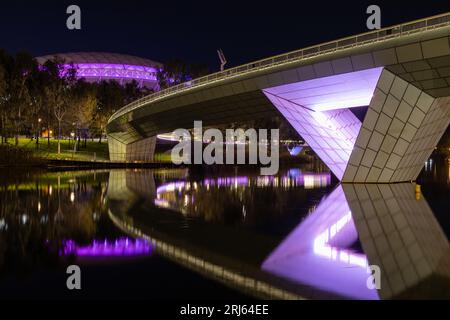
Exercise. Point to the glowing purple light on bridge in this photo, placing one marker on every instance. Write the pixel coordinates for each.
(341, 91)
(318, 110)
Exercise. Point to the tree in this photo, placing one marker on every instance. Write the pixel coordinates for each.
(111, 97)
(14, 97)
(178, 71)
(132, 92)
(24, 65)
(174, 72)
(58, 90)
(36, 88)
(199, 70)
(84, 105)
(6, 63)
(3, 89)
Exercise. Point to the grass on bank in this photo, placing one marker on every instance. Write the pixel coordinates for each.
(93, 149)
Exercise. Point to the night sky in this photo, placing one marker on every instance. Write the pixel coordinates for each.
(193, 30)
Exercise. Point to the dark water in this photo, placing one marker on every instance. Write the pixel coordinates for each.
(225, 234)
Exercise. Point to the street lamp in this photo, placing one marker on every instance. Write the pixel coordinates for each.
(38, 133)
(72, 134)
(39, 127)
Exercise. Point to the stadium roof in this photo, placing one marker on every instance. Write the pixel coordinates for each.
(101, 57)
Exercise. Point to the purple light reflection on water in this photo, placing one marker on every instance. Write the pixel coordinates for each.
(295, 175)
(121, 247)
(317, 252)
(227, 181)
(293, 178)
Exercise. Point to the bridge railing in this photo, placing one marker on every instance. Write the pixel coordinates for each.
(295, 56)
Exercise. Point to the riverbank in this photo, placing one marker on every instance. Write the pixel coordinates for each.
(19, 157)
(48, 149)
(90, 154)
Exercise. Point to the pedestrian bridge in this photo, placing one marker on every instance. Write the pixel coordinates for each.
(401, 73)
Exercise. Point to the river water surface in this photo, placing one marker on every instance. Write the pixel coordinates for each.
(173, 233)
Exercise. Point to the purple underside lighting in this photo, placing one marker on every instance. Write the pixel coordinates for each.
(347, 90)
(318, 110)
(316, 253)
(119, 248)
(116, 71)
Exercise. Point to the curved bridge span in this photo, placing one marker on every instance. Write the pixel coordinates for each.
(401, 73)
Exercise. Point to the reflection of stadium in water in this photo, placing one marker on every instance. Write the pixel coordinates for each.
(122, 247)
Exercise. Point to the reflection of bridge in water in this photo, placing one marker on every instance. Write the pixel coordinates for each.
(319, 258)
(397, 231)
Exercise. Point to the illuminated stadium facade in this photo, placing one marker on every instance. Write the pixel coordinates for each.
(98, 66)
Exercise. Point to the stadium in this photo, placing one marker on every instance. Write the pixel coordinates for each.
(98, 66)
